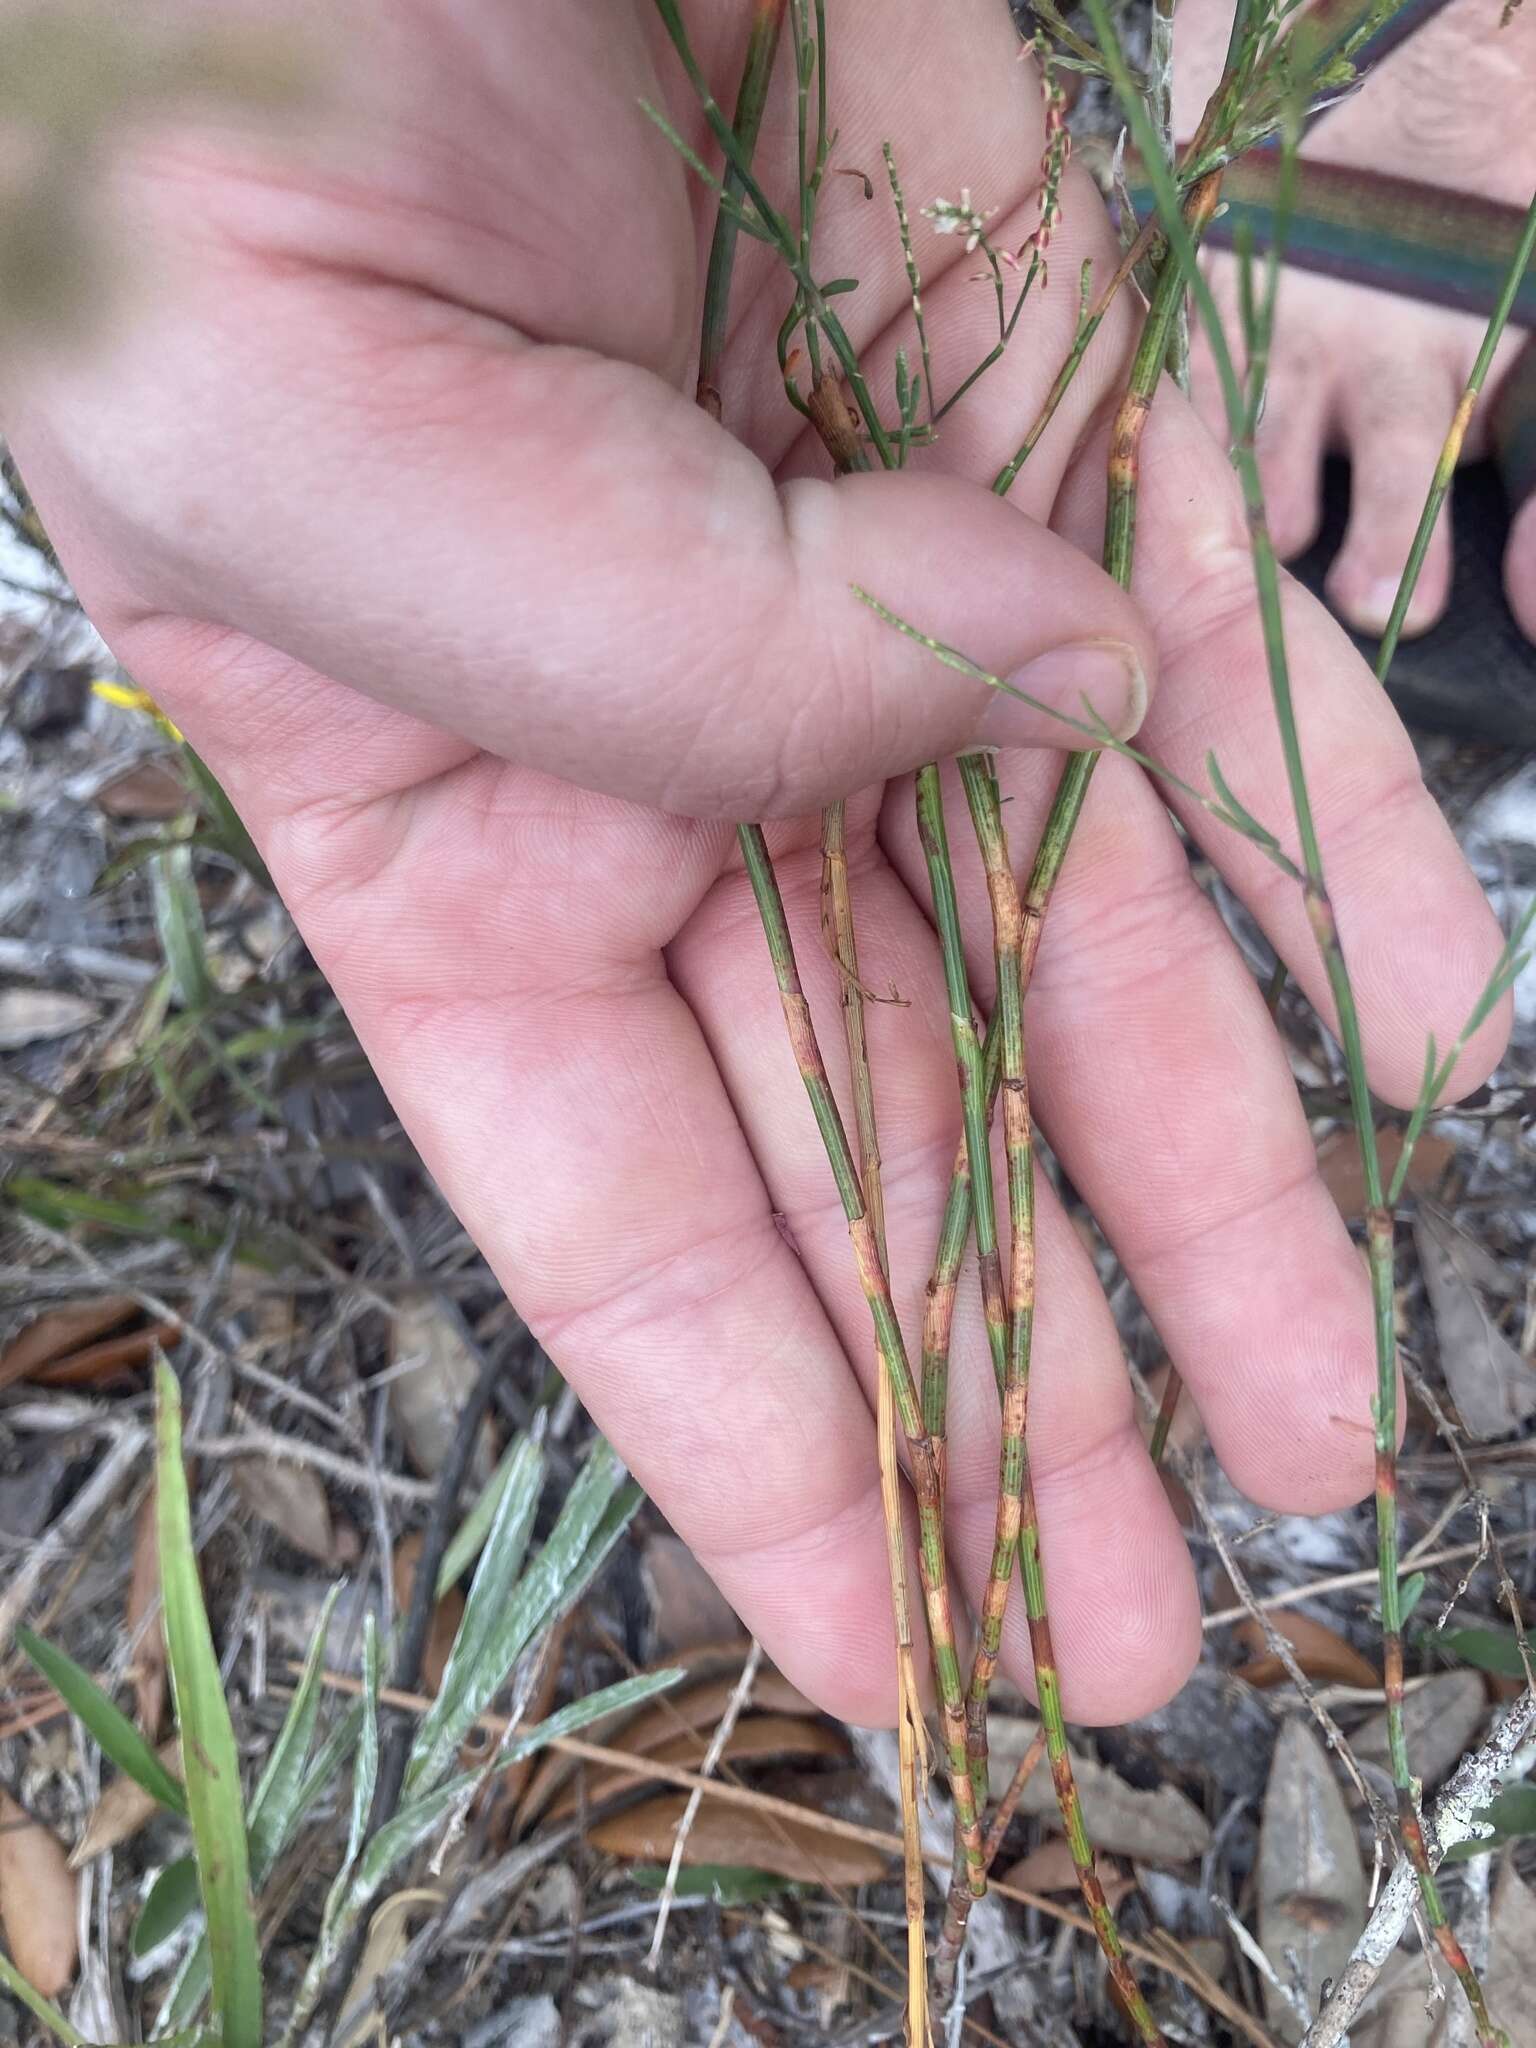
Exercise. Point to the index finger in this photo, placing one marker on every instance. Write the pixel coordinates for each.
(1417, 933)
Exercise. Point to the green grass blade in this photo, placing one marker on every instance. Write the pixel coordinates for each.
(210, 1762)
(365, 1774)
(192, 1981)
(114, 1734)
(470, 1537)
(39, 2007)
(179, 924)
(228, 825)
(355, 1890)
(595, 1511)
(490, 1594)
(629, 1692)
(172, 1897)
(275, 1800)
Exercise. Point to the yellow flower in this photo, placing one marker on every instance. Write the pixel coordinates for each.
(129, 697)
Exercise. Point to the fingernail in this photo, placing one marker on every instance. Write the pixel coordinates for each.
(1104, 673)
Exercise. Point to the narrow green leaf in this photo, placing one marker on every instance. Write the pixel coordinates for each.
(609, 1699)
(114, 1734)
(469, 1539)
(490, 1597)
(188, 1990)
(1410, 1594)
(39, 2007)
(728, 1884)
(354, 1891)
(210, 1762)
(1489, 1649)
(179, 924)
(365, 1773)
(276, 1797)
(227, 823)
(480, 1663)
(172, 1897)
(1512, 1816)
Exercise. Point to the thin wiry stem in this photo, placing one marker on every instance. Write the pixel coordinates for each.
(893, 1354)
(1379, 1232)
(1450, 452)
(751, 98)
(757, 71)
(838, 928)
(1017, 1525)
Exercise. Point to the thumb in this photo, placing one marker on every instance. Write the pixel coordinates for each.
(557, 557)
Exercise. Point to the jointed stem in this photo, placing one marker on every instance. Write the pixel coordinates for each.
(888, 1337)
(838, 928)
(968, 1059)
(1450, 453)
(838, 909)
(1016, 1518)
(1379, 1234)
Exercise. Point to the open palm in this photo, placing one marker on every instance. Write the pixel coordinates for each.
(391, 488)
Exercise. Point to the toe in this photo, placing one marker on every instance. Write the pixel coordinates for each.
(1291, 443)
(1520, 568)
(1393, 417)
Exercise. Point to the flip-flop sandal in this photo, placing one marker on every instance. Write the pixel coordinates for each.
(1474, 674)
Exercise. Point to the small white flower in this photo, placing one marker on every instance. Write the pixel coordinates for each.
(960, 217)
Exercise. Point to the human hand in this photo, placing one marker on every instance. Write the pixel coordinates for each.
(388, 487)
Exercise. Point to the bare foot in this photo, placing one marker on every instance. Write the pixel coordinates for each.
(1364, 371)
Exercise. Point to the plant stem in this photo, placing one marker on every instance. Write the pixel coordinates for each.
(757, 71)
(968, 1059)
(1379, 1234)
(838, 928)
(1450, 452)
(893, 1354)
(1016, 1522)
(838, 915)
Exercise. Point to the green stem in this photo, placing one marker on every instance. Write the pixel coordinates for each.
(968, 1059)
(1379, 1234)
(1450, 453)
(892, 1348)
(757, 72)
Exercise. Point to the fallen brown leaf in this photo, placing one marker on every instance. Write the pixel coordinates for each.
(686, 1605)
(1338, 1161)
(1050, 1868)
(1311, 1886)
(37, 1900)
(121, 1811)
(446, 1615)
(1321, 1652)
(749, 1841)
(150, 790)
(114, 1358)
(290, 1499)
(59, 1331)
(1441, 1719)
(1160, 1827)
(1493, 1386)
(29, 1016)
(696, 1706)
(389, 1936)
(758, 1738)
(141, 1617)
(425, 1400)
